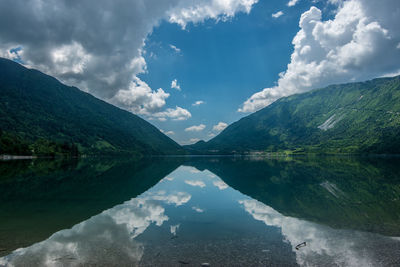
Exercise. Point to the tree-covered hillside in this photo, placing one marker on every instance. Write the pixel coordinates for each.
(359, 117)
(40, 115)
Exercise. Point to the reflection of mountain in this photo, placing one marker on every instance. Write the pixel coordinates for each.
(106, 239)
(344, 193)
(56, 195)
(326, 246)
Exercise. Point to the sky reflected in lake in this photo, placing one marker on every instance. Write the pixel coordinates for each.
(193, 217)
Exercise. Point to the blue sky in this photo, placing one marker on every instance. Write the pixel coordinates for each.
(221, 63)
(236, 56)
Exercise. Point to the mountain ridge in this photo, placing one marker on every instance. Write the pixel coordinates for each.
(361, 117)
(40, 114)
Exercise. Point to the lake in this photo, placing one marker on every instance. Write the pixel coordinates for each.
(201, 211)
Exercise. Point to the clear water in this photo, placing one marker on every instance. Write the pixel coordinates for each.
(201, 211)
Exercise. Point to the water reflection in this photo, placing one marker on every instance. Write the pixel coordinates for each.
(327, 246)
(38, 198)
(194, 216)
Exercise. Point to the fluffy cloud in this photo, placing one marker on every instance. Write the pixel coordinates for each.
(198, 11)
(210, 134)
(100, 50)
(168, 178)
(193, 140)
(175, 85)
(195, 128)
(220, 184)
(200, 102)
(277, 14)
(177, 198)
(176, 114)
(167, 132)
(195, 183)
(358, 44)
(220, 126)
(292, 3)
(174, 229)
(194, 170)
(140, 98)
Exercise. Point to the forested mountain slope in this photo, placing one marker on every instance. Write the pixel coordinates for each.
(361, 117)
(40, 115)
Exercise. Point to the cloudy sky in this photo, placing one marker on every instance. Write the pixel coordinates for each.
(191, 67)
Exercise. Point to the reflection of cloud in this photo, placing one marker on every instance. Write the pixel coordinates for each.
(220, 184)
(212, 175)
(197, 209)
(195, 183)
(324, 244)
(174, 228)
(98, 241)
(138, 214)
(189, 169)
(168, 178)
(177, 198)
(103, 238)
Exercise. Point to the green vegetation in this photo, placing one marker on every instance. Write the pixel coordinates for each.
(350, 118)
(42, 196)
(41, 116)
(342, 192)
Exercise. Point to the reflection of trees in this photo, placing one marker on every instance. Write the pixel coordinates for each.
(41, 197)
(341, 192)
(104, 239)
(326, 246)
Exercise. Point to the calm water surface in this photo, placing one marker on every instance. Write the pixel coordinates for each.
(194, 211)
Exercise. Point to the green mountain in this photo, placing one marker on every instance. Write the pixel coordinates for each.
(40, 115)
(361, 117)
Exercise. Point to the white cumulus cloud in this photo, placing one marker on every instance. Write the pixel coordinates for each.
(220, 184)
(195, 183)
(195, 128)
(220, 126)
(292, 3)
(177, 198)
(176, 114)
(175, 85)
(199, 11)
(167, 132)
(359, 43)
(100, 50)
(140, 98)
(174, 229)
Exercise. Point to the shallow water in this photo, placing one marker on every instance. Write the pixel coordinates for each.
(193, 211)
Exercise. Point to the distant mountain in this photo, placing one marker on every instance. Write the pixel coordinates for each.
(361, 117)
(40, 115)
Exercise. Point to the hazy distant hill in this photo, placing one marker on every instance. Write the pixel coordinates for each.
(359, 117)
(40, 114)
